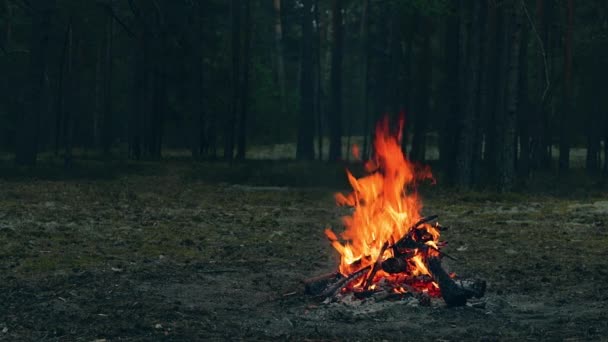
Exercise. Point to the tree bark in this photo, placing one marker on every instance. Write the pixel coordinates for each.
(29, 121)
(468, 120)
(305, 146)
(423, 98)
(280, 58)
(242, 126)
(566, 122)
(523, 112)
(488, 87)
(335, 143)
(319, 83)
(448, 136)
(107, 86)
(506, 147)
(365, 47)
(236, 51)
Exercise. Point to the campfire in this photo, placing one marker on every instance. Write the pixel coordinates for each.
(388, 249)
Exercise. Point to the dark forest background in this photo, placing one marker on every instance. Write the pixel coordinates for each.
(492, 91)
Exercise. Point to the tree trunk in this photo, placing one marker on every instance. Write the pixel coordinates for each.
(236, 52)
(305, 147)
(488, 88)
(242, 126)
(365, 47)
(60, 99)
(468, 120)
(506, 147)
(28, 124)
(280, 59)
(107, 87)
(541, 139)
(448, 136)
(335, 143)
(566, 114)
(319, 83)
(423, 98)
(523, 112)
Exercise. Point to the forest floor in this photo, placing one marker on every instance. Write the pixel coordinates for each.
(166, 256)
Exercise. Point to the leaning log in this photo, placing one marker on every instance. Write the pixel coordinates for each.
(454, 294)
(334, 289)
(316, 285)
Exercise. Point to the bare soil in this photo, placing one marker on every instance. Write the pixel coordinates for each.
(163, 257)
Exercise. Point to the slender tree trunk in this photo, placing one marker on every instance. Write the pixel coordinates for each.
(566, 122)
(319, 83)
(523, 111)
(449, 134)
(487, 91)
(107, 87)
(468, 120)
(107, 92)
(60, 100)
(28, 124)
(541, 140)
(74, 87)
(242, 126)
(335, 143)
(423, 98)
(280, 59)
(305, 146)
(236, 51)
(506, 148)
(365, 44)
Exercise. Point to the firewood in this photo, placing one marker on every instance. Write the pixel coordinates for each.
(375, 268)
(333, 290)
(454, 294)
(394, 265)
(316, 285)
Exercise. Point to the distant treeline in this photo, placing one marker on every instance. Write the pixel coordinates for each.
(499, 82)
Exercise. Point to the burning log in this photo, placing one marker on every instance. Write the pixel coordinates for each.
(453, 293)
(332, 290)
(316, 285)
(377, 264)
(394, 265)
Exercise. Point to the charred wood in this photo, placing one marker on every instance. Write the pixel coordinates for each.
(453, 293)
(394, 265)
(375, 268)
(333, 290)
(316, 285)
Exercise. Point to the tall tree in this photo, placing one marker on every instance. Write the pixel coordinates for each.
(107, 83)
(507, 119)
(318, 81)
(29, 121)
(451, 87)
(335, 140)
(423, 88)
(280, 59)
(365, 47)
(305, 148)
(523, 112)
(470, 62)
(488, 88)
(541, 139)
(236, 52)
(565, 135)
(242, 125)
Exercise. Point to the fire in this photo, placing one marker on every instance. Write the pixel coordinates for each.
(386, 209)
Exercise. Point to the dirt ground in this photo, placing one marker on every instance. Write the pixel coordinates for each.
(163, 257)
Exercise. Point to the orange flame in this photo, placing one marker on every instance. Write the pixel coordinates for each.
(386, 205)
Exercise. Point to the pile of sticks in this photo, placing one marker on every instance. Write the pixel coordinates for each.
(453, 292)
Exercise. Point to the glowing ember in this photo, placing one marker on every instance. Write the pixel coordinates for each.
(384, 231)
